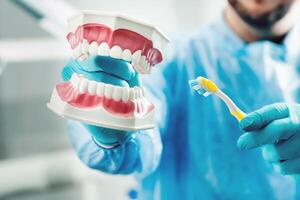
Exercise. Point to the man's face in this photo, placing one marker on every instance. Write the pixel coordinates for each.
(261, 14)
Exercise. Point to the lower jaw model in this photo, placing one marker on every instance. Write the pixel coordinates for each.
(102, 104)
(97, 102)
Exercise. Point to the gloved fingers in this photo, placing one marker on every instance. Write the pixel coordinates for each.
(106, 136)
(274, 132)
(262, 117)
(67, 72)
(98, 68)
(284, 150)
(121, 68)
(291, 166)
(103, 64)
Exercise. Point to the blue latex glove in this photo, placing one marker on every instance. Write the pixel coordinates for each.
(110, 71)
(276, 128)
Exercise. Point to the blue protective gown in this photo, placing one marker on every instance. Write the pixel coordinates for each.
(192, 152)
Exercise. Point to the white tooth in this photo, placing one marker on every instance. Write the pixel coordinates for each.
(117, 93)
(116, 52)
(108, 91)
(73, 77)
(93, 48)
(100, 89)
(85, 47)
(135, 60)
(148, 67)
(126, 55)
(143, 92)
(131, 94)
(83, 57)
(80, 76)
(103, 49)
(77, 51)
(79, 80)
(136, 56)
(75, 80)
(125, 95)
(92, 87)
(134, 93)
(137, 92)
(83, 86)
(143, 63)
(143, 60)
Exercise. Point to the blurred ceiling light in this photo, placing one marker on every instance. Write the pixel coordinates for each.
(51, 15)
(41, 49)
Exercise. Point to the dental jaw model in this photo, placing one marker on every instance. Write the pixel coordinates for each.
(106, 105)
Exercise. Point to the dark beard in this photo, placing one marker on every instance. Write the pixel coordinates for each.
(264, 21)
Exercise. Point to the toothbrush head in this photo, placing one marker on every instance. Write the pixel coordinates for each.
(203, 86)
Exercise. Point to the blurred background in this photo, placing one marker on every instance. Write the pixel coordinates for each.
(36, 159)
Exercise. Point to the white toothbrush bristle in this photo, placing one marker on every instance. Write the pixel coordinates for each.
(197, 87)
(206, 94)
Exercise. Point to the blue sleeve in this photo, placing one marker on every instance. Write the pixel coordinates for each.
(139, 153)
(142, 151)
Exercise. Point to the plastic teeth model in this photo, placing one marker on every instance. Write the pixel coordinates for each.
(95, 33)
(97, 103)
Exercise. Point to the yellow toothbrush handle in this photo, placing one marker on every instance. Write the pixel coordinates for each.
(239, 115)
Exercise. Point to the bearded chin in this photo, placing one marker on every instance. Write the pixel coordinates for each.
(262, 22)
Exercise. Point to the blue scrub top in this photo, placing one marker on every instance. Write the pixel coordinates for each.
(192, 152)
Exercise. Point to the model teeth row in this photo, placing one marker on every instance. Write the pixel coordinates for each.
(139, 62)
(109, 91)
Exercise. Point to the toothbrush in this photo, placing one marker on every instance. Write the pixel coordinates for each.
(206, 87)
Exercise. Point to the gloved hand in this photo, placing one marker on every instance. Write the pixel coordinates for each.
(276, 128)
(107, 138)
(110, 71)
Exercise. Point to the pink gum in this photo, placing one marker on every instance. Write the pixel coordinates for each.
(124, 38)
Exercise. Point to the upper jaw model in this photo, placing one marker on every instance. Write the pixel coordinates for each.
(99, 101)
